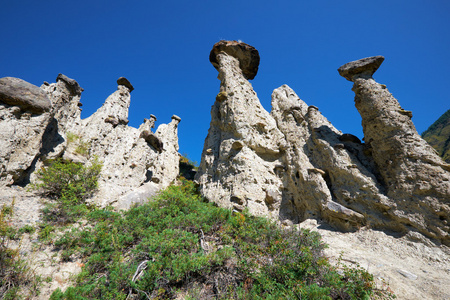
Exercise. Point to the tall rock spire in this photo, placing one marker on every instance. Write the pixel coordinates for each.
(415, 177)
(294, 164)
(243, 145)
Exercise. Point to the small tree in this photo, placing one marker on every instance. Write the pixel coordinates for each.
(70, 184)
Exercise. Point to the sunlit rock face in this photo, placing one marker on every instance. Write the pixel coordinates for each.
(25, 113)
(294, 164)
(137, 163)
(133, 168)
(326, 171)
(244, 145)
(415, 177)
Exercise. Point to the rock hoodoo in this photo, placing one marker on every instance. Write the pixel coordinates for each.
(415, 177)
(294, 164)
(247, 56)
(244, 145)
(125, 82)
(133, 168)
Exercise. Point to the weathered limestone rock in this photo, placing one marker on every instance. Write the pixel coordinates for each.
(65, 95)
(243, 145)
(20, 141)
(326, 172)
(136, 162)
(17, 92)
(148, 124)
(166, 165)
(414, 176)
(72, 84)
(293, 164)
(140, 171)
(24, 117)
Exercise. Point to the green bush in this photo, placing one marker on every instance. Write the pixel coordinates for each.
(187, 167)
(68, 180)
(178, 244)
(14, 272)
(70, 184)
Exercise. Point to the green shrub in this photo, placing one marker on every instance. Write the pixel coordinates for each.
(68, 180)
(14, 272)
(180, 244)
(70, 184)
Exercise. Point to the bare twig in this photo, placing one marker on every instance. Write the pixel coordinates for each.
(202, 242)
(137, 275)
(140, 270)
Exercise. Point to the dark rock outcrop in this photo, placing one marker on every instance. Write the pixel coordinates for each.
(247, 56)
(72, 84)
(125, 82)
(17, 92)
(362, 67)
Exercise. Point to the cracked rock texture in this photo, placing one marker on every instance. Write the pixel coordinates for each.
(133, 169)
(24, 116)
(294, 164)
(415, 177)
(243, 146)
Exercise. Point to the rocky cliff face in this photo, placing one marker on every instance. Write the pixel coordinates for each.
(24, 116)
(292, 164)
(136, 162)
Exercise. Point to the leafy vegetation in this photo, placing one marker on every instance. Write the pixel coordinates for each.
(438, 136)
(178, 245)
(69, 184)
(16, 279)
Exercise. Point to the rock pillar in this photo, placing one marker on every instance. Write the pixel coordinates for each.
(415, 177)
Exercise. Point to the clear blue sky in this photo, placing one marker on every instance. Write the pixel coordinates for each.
(163, 49)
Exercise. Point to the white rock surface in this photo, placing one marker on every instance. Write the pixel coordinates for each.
(133, 169)
(21, 135)
(129, 161)
(325, 172)
(294, 164)
(242, 148)
(412, 270)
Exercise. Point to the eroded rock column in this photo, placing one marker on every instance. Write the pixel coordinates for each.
(414, 175)
(244, 145)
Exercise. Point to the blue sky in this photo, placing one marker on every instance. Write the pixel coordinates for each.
(163, 49)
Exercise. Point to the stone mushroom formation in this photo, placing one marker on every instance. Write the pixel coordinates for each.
(41, 124)
(292, 163)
